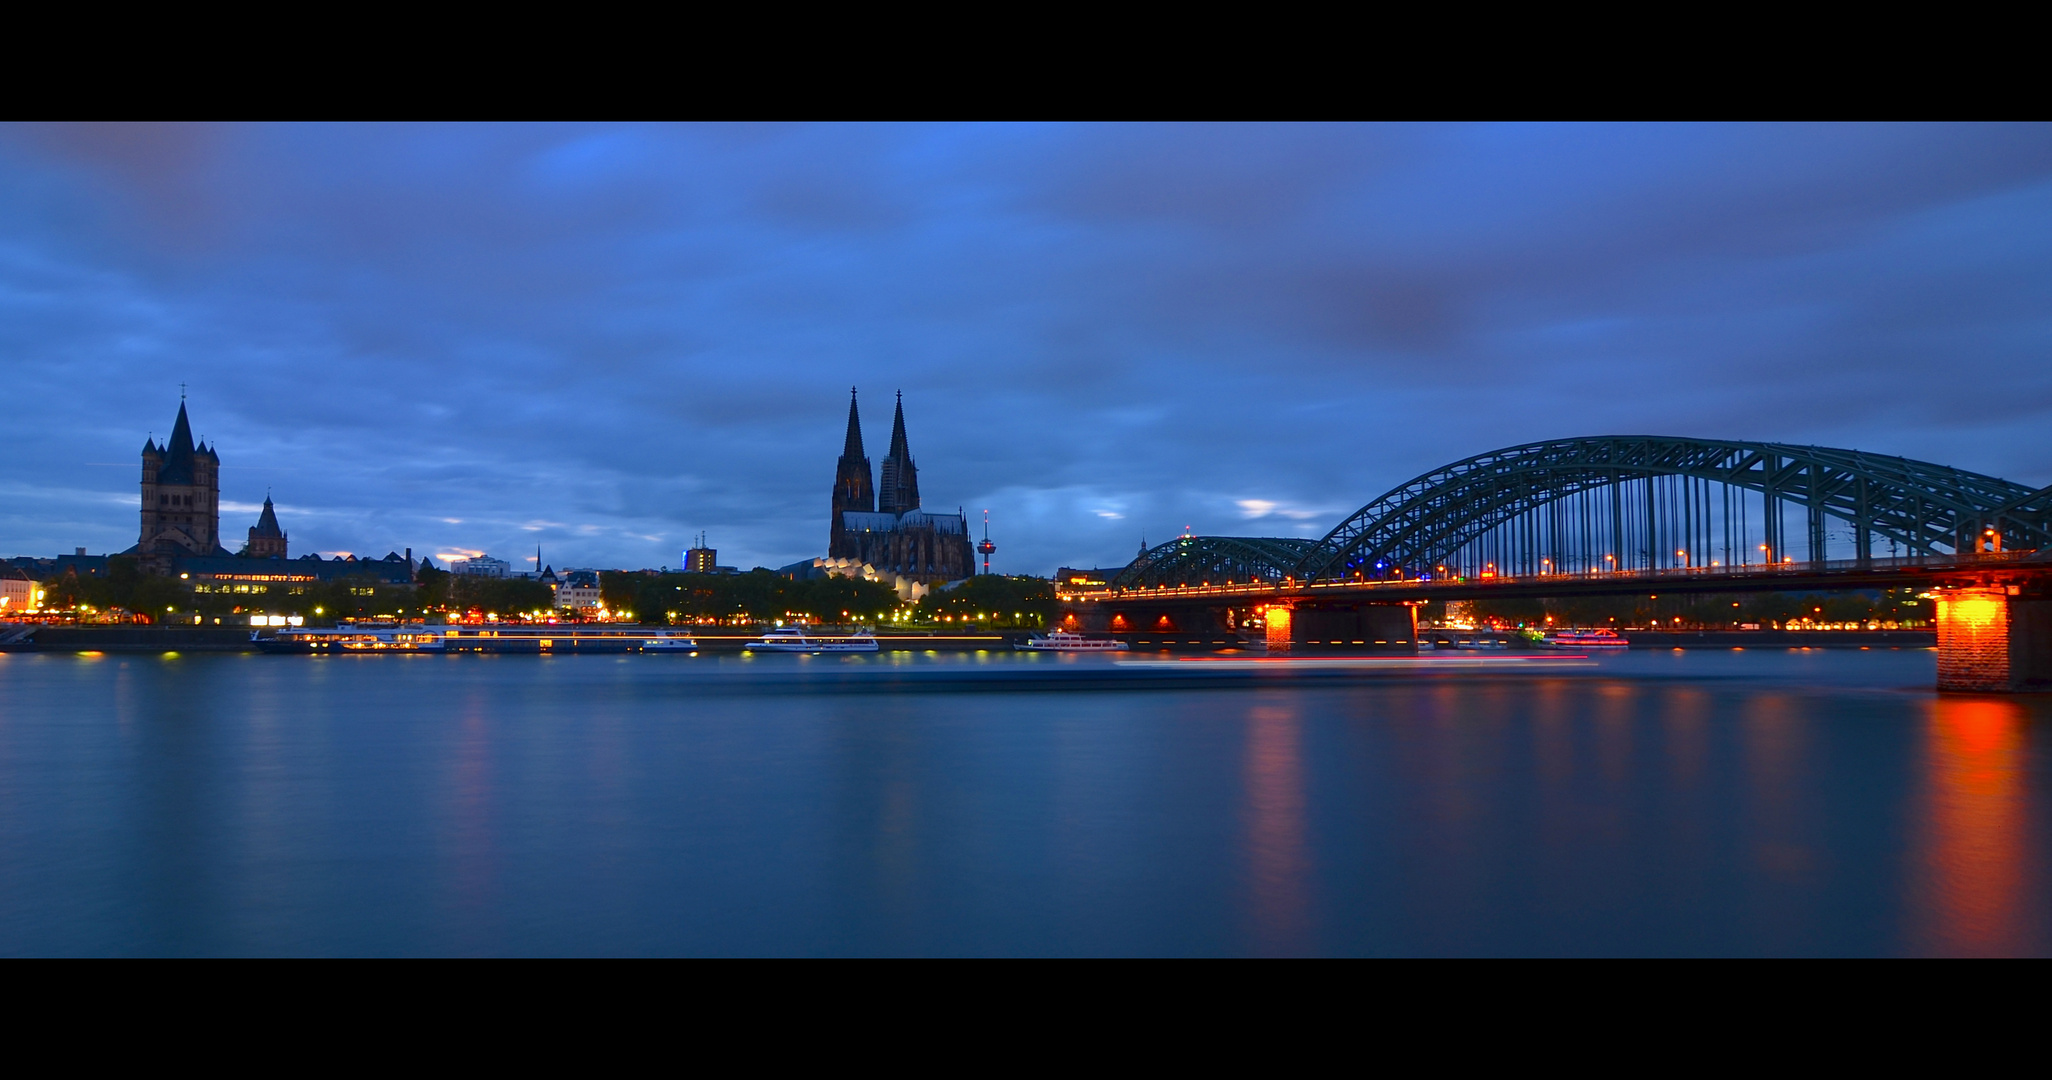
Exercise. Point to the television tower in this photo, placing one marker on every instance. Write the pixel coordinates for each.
(986, 547)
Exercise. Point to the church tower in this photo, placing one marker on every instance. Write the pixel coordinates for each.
(852, 490)
(181, 498)
(266, 539)
(900, 487)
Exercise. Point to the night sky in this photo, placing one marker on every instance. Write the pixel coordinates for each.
(605, 339)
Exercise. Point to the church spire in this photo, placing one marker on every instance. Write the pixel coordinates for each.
(267, 522)
(900, 476)
(852, 447)
(898, 447)
(178, 452)
(852, 487)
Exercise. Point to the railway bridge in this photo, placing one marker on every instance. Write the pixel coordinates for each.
(1617, 515)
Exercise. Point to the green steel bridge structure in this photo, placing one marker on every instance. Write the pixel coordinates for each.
(1615, 508)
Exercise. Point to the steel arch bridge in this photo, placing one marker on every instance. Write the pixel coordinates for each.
(1626, 502)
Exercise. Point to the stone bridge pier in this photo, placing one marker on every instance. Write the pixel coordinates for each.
(1994, 638)
(1301, 625)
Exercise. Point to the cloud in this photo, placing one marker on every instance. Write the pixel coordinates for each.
(610, 337)
(1261, 508)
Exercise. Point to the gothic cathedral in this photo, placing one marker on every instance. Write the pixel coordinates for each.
(885, 529)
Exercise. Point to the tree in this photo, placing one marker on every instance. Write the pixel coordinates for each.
(124, 586)
(842, 599)
(431, 588)
(500, 596)
(994, 600)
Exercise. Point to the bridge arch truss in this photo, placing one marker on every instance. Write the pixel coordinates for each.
(1603, 503)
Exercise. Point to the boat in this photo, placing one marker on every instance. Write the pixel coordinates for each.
(1584, 639)
(551, 640)
(417, 638)
(1069, 641)
(350, 638)
(795, 639)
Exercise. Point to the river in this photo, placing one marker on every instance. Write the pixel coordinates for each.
(1741, 802)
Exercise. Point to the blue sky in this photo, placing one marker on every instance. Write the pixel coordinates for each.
(604, 339)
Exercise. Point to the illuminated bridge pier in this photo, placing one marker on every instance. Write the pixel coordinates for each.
(1627, 514)
(1994, 638)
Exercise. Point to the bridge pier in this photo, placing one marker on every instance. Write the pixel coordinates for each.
(1994, 639)
(1382, 627)
(1154, 624)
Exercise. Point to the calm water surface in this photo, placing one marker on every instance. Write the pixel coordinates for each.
(1757, 802)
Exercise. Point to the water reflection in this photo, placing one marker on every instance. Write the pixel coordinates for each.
(1773, 735)
(1971, 890)
(471, 851)
(1277, 856)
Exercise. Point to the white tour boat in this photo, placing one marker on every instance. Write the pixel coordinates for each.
(1584, 639)
(671, 643)
(795, 639)
(1067, 641)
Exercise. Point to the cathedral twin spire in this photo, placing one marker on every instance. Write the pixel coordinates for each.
(853, 490)
(899, 487)
(898, 490)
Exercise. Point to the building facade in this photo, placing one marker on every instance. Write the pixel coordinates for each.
(577, 590)
(481, 566)
(882, 528)
(701, 558)
(17, 591)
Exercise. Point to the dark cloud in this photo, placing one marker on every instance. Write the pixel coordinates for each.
(605, 338)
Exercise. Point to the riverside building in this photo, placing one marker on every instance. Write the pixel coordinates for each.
(180, 534)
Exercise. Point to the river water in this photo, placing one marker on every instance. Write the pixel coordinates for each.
(1705, 802)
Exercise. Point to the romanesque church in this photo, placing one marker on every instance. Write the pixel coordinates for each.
(181, 497)
(181, 530)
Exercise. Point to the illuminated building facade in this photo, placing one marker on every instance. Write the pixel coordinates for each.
(705, 560)
(17, 591)
(239, 576)
(578, 589)
(882, 528)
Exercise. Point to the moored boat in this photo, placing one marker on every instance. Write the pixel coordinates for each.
(551, 640)
(416, 638)
(351, 639)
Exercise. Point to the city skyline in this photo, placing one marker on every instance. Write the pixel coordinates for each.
(608, 339)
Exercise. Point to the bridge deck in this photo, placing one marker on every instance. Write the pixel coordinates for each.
(1785, 577)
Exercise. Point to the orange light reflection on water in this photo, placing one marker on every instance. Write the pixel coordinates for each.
(1970, 885)
(1277, 851)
